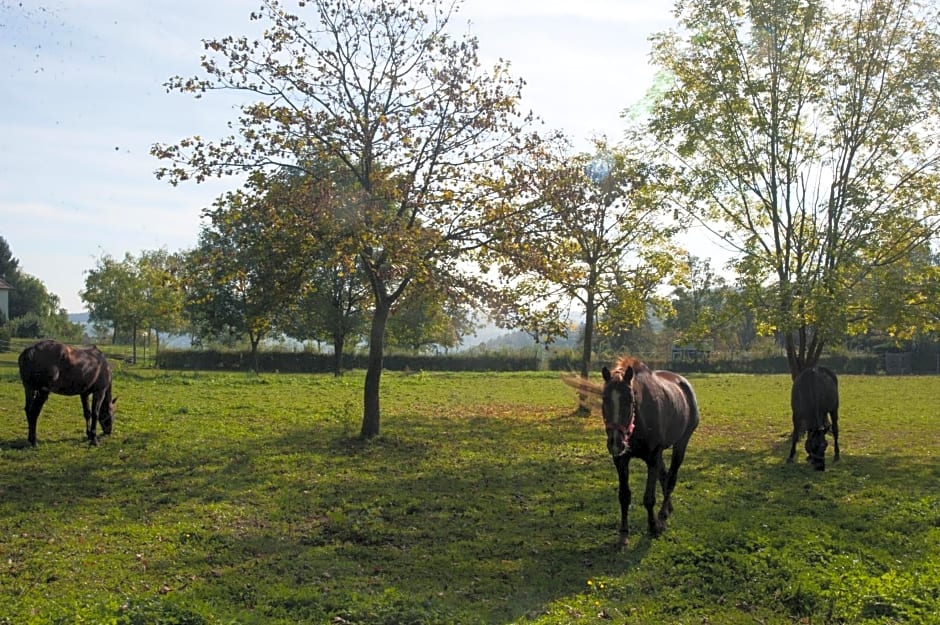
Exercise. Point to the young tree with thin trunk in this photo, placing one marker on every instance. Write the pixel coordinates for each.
(603, 243)
(433, 140)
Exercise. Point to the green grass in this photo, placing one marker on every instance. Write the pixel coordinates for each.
(229, 498)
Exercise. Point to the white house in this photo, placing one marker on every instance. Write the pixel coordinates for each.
(5, 289)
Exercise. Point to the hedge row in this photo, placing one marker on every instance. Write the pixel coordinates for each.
(855, 364)
(305, 362)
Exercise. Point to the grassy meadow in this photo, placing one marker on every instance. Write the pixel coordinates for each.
(230, 498)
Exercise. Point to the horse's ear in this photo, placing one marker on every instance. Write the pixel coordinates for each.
(606, 373)
(628, 374)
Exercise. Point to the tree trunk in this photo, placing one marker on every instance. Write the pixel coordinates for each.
(587, 350)
(583, 407)
(801, 356)
(254, 340)
(134, 341)
(339, 341)
(370, 410)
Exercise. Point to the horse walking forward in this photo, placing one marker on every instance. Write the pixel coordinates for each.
(52, 367)
(646, 412)
(815, 394)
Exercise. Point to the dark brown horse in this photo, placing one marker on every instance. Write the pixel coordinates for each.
(53, 367)
(646, 412)
(815, 394)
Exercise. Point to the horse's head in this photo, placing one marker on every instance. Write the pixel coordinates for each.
(618, 409)
(106, 418)
(816, 449)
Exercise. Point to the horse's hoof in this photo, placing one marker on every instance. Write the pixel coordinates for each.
(623, 540)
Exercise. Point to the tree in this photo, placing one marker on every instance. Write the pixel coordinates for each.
(29, 295)
(34, 311)
(9, 265)
(805, 134)
(135, 293)
(901, 300)
(601, 242)
(158, 274)
(334, 297)
(431, 140)
(427, 317)
(332, 306)
(111, 295)
(708, 310)
(246, 268)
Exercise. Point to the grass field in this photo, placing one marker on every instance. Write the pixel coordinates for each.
(229, 498)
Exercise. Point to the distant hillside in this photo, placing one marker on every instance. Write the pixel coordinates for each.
(81, 318)
(517, 339)
(173, 340)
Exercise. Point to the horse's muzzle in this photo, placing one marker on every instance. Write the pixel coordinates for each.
(618, 439)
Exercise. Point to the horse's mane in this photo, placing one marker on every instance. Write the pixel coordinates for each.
(596, 389)
(628, 362)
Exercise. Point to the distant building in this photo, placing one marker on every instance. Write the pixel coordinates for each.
(692, 352)
(5, 289)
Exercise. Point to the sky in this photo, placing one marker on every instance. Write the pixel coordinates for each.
(83, 101)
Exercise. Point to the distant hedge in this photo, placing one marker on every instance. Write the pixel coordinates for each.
(305, 362)
(854, 364)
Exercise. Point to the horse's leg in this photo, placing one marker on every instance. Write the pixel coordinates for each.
(90, 417)
(835, 433)
(793, 439)
(654, 469)
(34, 403)
(669, 481)
(666, 509)
(623, 492)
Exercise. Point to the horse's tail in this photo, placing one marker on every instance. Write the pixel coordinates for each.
(583, 385)
(693, 403)
(590, 392)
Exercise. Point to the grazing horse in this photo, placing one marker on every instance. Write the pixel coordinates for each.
(645, 412)
(52, 367)
(815, 394)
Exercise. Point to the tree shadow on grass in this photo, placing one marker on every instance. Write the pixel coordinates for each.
(472, 519)
(462, 533)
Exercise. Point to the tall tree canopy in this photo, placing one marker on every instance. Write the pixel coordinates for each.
(431, 138)
(807, 134)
